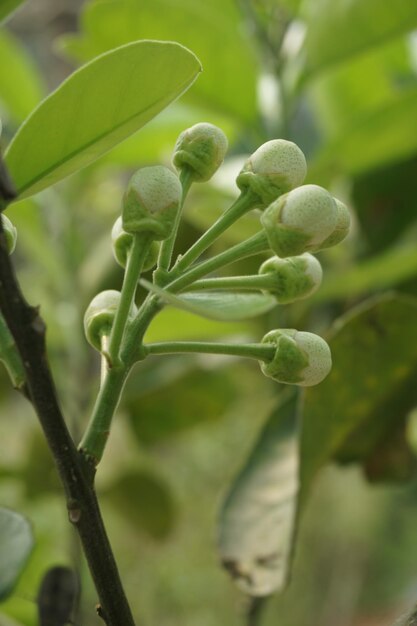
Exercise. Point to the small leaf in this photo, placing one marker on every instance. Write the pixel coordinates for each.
(220, 305)
(97, 107)
(16, 542)
(257, 519)
(145, 501)
(8, 7)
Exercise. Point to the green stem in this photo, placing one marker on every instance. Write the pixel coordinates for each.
(244, 203)
(136, 258)
(259, 351)
(95, 437)
(261, 281)
(10, 356)
(167, 246)
(256, 244)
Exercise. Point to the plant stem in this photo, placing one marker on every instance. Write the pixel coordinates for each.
(254, 245)
(167, 246)
(244, 203)
(95, 437)
(136, 258)
(76, 475)
(259, 351)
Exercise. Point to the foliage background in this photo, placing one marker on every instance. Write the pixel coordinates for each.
(340, 79)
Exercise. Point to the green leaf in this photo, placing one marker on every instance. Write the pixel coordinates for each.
(21, 86)
(145, 501)
(388, 269)
(8, 7)
(365, 112)
(98, 106)
(371, 388)
(258, 516)
(385, 201)
(219, 305)
(16, 542)
(201, 27)
(176, 324)
(336, 31)
(183, 402)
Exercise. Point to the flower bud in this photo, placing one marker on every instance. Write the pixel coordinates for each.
(295, 278)
(300, 220)
(100, 314)
(300, 358)
(122, 242)
(273, 169)
(10, 233)
(201, 149)
(342, 226)
(151, 202)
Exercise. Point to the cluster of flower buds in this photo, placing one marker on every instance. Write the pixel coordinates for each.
(297, 220)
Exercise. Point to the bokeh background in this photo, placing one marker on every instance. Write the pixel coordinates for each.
(339, 78)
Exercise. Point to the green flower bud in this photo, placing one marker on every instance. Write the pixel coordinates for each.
(300, 358)
(201, 149)
(151, 202)
(10, 233)
(100, 314)
(273, 169)
(300, 220)
(122, 242)
(294, 278)
(342, 226)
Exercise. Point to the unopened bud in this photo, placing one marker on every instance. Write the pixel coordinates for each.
(151, 202)
(122, 243)
(100, 314)
(300, 221)
(300, 358)
(273, 169)
(200, 148)
(342, 226)
(295, 278)
(10, 233)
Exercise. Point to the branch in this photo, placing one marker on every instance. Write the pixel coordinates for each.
(28, 330)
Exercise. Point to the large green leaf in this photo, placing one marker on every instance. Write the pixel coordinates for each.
(7, 7)
(385, 270)
(366, 111)
(257, 519)
(336, 31)
(98, 106)
(16, 542)
(217, 305)
(228, 84)
(21, 87)
(371, 388)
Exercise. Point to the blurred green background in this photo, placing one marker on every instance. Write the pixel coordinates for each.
(337, 77)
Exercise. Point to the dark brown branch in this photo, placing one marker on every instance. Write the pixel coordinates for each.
(28, 330)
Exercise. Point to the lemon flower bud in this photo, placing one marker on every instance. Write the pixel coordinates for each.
(122, 243)
(201, 149)
(10, 233)
(342, 226)
(151, 202)
(99, 316)
(273, 169)
(300, 358)
(300, 220)
(294, 278)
